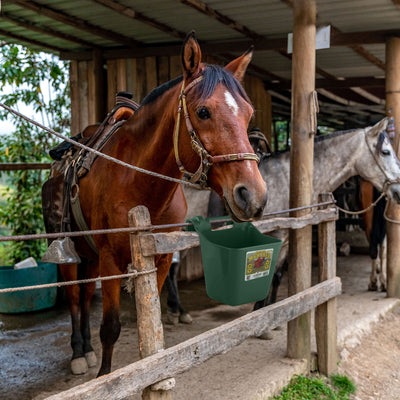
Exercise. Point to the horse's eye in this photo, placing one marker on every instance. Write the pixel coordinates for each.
(203, 113)
(386, 152)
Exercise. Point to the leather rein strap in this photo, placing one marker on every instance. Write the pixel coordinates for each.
(200, 177)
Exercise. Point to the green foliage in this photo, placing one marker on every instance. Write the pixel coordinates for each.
(41, 82)
(317, 388)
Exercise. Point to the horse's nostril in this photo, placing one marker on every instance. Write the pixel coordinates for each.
(242, 196)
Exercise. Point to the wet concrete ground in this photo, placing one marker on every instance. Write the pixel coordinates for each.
(35, 347)
(35, 351)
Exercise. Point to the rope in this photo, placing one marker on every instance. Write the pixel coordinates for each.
(98, 153)
(133, 274)
(141, 228)
(365, 209)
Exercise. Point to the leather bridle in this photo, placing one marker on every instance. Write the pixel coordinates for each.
(389, 181)
(200, 177)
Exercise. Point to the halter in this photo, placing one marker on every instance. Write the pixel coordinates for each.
(388, 180)
(200, 177)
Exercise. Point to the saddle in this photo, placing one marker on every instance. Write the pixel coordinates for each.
(60, 193)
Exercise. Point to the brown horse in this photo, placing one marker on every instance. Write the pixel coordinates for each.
(217, 113)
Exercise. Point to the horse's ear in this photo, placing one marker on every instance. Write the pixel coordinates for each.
(380, 126)
(239, 65)
(191, 55)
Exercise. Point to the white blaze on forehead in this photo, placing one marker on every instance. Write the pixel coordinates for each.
(231, 102)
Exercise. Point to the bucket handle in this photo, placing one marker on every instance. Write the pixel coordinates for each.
(202, 224)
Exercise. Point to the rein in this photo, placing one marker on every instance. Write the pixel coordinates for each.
(200, 177)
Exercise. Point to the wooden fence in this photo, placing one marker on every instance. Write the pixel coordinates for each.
(158, 365)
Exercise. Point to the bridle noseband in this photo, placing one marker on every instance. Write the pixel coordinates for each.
(200, 177)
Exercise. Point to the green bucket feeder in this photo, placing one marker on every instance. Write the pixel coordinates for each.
(239, 261)
(27, 300)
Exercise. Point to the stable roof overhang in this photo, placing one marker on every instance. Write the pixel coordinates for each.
(350, 75)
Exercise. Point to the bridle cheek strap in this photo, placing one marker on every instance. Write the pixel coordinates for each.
(200, 176)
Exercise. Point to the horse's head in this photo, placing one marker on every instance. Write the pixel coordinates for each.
(381, 167)
(213, 144)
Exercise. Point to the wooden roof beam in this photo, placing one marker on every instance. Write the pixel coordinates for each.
(22, 39)
(131, 13)
(21, 22)
(77, 23)
(214, 14)
(333, 83)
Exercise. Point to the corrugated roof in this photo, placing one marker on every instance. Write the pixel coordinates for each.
(74, 27)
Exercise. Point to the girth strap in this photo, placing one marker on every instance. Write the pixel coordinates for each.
(78, 214)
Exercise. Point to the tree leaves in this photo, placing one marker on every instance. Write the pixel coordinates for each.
(39, 81)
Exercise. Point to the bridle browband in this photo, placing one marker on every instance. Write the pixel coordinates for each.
(200, 177)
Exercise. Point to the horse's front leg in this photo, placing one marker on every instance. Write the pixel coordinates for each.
(87, 292)
(110, 326)
(78, 362)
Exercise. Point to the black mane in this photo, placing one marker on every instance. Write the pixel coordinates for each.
(158, 91)
(212, 75)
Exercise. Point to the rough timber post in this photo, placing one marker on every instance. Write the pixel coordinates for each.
(150, 329)
(393, 110)
(326, 313)
(301, 167)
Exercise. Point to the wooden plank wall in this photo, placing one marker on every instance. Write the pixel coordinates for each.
(262, 104)
(94, 86)
(87, 93)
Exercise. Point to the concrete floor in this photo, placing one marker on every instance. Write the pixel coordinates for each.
(34, 357)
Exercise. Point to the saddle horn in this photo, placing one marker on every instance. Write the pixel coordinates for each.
(61, 251)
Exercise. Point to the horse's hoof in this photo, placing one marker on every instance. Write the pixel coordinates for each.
(91, 359)
(172, 318)
(185, 318)
(79, 366)
(383, 288)
(266, 336)
(372, 287)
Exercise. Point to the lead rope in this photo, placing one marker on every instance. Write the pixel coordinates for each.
(98, 153)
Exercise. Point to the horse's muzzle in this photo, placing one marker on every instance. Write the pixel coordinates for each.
(246, 204)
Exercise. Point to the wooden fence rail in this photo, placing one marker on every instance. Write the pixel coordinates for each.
(158, 365)
(177, 359)
(23, 166)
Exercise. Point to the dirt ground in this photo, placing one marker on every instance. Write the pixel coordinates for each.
(374, 364)
(35, 350)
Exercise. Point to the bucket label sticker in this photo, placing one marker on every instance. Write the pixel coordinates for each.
(258, 264)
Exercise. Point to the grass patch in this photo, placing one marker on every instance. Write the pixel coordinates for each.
(337, 387)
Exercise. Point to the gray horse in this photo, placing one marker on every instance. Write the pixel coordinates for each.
(337, 157)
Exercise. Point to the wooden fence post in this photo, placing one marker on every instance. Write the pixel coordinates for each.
(301, 167)
(393, 110)
(150, 329)
(326, 313)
